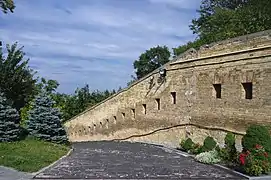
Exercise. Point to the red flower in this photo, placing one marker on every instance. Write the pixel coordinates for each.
(242, 158)
(265, 154)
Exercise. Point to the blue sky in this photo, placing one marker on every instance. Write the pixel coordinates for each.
(95, 42)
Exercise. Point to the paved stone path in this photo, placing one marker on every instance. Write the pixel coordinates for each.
(12, 174)
(125, 160)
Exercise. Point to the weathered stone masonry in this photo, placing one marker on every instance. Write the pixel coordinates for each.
(222, 87)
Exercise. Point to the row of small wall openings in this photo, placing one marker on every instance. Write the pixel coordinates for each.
(158, 102)
(173, 95)
(247, 90)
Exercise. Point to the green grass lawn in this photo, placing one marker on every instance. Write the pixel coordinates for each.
(30, 155)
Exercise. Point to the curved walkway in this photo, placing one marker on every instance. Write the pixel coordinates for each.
(125, 160)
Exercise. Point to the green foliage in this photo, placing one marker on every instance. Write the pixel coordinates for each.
(48, 86)
(183, 48)
(17, 80)
(24, 113)
(210, 157)
(229, 139)
(196, 149)
(150, 60)
(257, 134)
(9, 122)
(7, 5)
(256, 162)
(229, 152)
(187, 144)
(30, 155)
(71, 105)
(45, 120)
(208, 145)
(222, 19)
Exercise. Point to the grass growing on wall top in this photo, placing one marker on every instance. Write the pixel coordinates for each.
(30, 155)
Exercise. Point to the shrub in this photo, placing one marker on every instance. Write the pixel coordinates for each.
(256, 162)
(229, 153)
(45, 122)
(196, 149)
(187, 144)
(229, 139)
(209, 144)
(257, 134)
(209, 157)
(9, 122)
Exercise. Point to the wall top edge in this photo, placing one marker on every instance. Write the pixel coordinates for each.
(220, 55)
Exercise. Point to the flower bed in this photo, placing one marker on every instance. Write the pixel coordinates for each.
(254, 160)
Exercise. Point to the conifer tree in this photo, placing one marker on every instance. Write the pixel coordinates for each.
(9, 121)
(45, 120)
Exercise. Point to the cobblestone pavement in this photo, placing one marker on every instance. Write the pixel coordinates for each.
(125, 160)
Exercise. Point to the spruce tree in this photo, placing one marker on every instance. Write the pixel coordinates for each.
(44, 121)
(9, 121)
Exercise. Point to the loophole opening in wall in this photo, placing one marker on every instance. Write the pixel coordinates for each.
(107, 123)
(247, 90)
(158, 103)
(123, 115)
(173, 95)
(115, 119)
(144, 108)
(217, 90)
(133, 112)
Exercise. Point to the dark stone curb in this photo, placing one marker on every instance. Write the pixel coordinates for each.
(39, 173)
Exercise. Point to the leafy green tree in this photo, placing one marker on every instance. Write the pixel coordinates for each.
(45, 120)
(222, 19)
(78, 102)
(49, 86)
(9, 121)
(150, 60)
(17, 80)
(82, 99)
(7, 5)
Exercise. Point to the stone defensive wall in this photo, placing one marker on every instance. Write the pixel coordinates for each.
(222, 87)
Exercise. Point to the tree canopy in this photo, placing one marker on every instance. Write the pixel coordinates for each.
(7, 5)
(150, 60)
(223, 19)
(17, 80)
